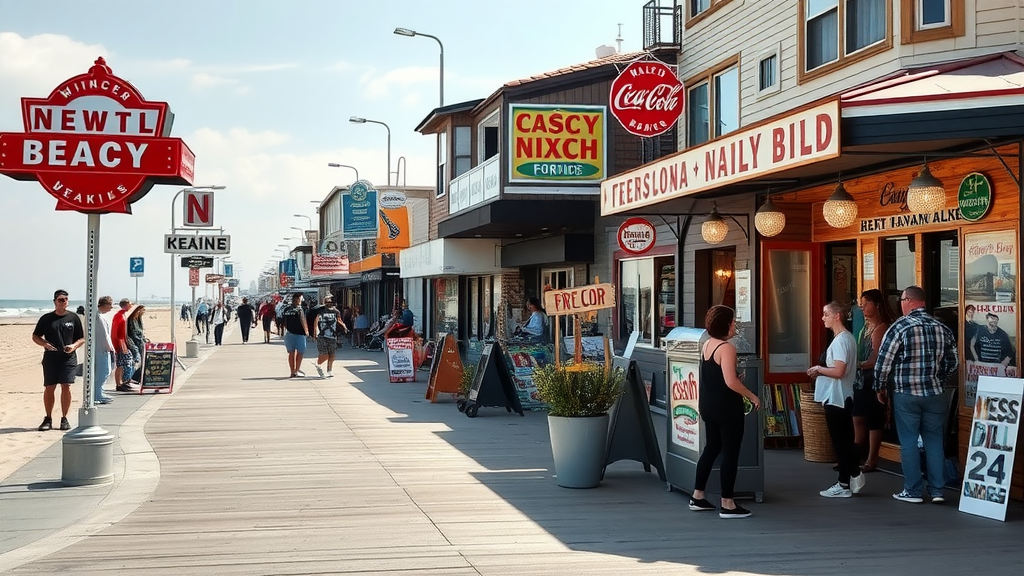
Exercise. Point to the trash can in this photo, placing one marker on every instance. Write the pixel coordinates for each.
(686, 436)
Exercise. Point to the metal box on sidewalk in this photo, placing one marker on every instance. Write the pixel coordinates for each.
(686, 436)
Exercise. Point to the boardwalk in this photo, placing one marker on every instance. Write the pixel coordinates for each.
(244, 471)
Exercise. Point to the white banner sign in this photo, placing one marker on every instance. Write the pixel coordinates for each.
(807, 136)
(989, 467)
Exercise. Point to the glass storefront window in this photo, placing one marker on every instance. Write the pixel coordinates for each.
(646, 303)
(446, 313)
(788, 321)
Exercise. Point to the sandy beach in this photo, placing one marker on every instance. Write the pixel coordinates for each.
(21, 387)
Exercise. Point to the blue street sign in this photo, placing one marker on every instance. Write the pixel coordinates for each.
(136, 266)
(229, 269)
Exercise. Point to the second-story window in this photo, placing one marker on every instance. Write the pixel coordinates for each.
(442, 163)
(928, 20)
(932, 14)
(698, 6)
(834, 30)
(463, 147)
(713, 105)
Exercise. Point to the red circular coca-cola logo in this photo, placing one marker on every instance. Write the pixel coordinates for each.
(647, 98)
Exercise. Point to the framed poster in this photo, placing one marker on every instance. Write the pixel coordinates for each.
(401, 367)
(989, 468)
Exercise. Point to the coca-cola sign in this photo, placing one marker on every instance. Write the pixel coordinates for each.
(647, 98)
(636, 236)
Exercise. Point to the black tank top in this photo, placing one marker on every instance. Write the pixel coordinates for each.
(717, 401)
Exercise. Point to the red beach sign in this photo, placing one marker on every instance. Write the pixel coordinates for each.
(647, 98)
(96, 144)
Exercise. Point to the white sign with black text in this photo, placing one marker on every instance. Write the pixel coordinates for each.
(987, 475)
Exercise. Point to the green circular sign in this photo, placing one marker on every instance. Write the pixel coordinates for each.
(974, 197)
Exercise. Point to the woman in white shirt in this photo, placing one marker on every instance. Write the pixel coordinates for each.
(218, 324)
(833, 388)
(535, 326)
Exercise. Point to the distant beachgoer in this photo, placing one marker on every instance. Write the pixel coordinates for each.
(202, 312)
(125, 366)
(246, 320)
(279, 316)
(269, 316)
(219, 320)
(61, 335)
(360, 325)
(186, 313)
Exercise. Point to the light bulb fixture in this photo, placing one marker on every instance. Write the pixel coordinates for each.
(768, 220)
(714, 229)
(840, 210)
(926, 192)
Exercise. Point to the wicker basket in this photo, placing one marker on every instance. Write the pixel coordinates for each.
(817, 441)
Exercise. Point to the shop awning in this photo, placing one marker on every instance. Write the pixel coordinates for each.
(452, 257)
(522, 218)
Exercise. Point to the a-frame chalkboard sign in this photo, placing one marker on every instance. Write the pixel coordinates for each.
(492, 385)
(631, 433)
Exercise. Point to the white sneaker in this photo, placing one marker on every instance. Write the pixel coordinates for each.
(330, 374)
(857, 483)
(319, 370)
(300, 374)
(836, 491)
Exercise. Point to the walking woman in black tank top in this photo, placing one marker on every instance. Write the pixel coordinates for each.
(721, 407)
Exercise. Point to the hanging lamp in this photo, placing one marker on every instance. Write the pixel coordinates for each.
(840, 210)
(768, 220)
(926, 192)
(714, 229)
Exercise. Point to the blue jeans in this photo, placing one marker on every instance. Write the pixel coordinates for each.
(102, 373)
(922, 416)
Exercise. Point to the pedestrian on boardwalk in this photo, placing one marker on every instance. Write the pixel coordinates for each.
(360, 325)
(279, 316)
(137, 341)
(295, 336)
(919, 353)
(269, 317)
(219, 319)
(60, 334)
(123, 354)
(246, 318)
(721, 407)
(186, 313)
(833, 389)
(326, 327)
(103, 356)
(868, 414)
(202, 318)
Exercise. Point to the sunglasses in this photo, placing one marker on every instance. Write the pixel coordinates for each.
(61, 300)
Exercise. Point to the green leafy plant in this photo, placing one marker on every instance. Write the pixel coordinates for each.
(466, 381)
(579, 390)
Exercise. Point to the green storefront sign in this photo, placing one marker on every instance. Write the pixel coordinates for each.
(974, 197)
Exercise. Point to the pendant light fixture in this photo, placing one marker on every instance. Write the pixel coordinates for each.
(768, 220)
(714, 229)
(840, 210)
(926, 192)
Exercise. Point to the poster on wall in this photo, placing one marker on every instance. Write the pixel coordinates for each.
(401, 367)
(989, 468)
(990, 308)
(683, 383)
(743, 295)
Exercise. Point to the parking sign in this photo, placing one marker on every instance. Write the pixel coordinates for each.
(136, 266)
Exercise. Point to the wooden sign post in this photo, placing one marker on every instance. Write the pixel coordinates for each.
(576, 301)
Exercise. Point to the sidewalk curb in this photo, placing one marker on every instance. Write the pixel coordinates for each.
(133, 483)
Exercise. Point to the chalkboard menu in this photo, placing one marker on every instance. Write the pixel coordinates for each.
(158, 367)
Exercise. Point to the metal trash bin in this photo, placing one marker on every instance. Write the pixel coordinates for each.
(686, 437)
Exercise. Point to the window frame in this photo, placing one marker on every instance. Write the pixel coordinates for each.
(911, 33)
(713, 6)
(492, 120)
(776, 85)
(844, 59)
(458, 134)
(442, 164)
(708, 77)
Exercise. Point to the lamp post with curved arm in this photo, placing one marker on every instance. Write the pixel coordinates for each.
(412, 33)
(360, 120)
(336, 165)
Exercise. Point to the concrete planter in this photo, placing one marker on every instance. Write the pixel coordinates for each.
(578, 448)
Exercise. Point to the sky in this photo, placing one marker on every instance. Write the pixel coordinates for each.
(262, 92)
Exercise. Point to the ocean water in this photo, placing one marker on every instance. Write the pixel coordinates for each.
(29, 308)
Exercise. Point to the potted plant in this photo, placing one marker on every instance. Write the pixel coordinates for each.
(579, 397)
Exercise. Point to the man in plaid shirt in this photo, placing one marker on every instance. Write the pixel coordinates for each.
(919, 353)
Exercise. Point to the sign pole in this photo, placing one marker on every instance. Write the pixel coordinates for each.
(89, 449)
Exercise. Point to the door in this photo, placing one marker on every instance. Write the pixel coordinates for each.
(790, 309)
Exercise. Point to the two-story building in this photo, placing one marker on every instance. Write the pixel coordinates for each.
(800, 177)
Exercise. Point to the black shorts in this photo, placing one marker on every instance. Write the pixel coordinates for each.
(866, 404)
(59, 372)
(267, 323)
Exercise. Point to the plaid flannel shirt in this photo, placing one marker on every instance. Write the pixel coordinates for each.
(919, 352)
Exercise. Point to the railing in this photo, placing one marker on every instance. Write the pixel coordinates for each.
(476, 186)
(663, 25)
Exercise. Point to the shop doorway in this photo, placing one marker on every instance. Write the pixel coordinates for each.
(941, 281)
(713, 282)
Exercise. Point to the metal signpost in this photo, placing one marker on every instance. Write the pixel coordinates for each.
(136, 267)
(94, 161)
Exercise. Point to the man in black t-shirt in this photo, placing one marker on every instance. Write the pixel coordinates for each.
(60, 334)
(295, 334)
(246, 315)
(326, 327)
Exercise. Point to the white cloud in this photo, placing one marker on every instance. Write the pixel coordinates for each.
(202, 80)
(29, 65)
(396, 81)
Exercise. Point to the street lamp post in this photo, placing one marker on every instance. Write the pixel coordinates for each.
(336, 165)
(411, 33)
(360, 120)
(173, 229)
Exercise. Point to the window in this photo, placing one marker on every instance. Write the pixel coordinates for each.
(699, 9)
(487, 138)
(834, 32)
(463, 148)
(648, 298)
(705, 121)
(768, 73)
(442, 161)
(927, 20)
(698, 6)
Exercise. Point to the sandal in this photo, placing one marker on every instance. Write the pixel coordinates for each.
(865, 468)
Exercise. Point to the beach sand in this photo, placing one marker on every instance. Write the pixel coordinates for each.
(21, 387)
